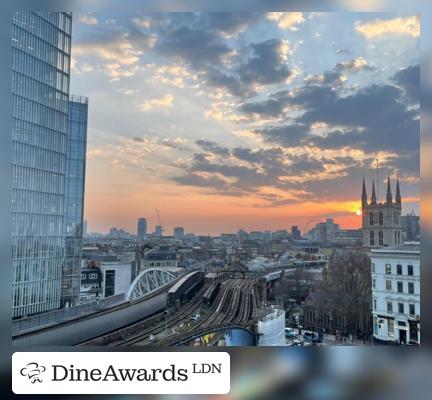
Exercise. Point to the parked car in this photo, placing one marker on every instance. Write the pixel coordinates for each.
(290, 333)
(310, 337)
(195, 317)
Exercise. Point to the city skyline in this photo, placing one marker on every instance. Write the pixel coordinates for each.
(226, 121)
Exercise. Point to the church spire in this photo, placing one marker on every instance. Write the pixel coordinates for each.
(373, 197)
(398, 198)
(364, 194)
(389, 193)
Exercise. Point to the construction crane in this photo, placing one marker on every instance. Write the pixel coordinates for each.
(159, 221)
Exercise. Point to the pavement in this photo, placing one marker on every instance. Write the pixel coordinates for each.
(330, 340)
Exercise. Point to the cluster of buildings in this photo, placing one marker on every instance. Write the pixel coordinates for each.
(392, 242)
(52, 268)
(330, 232)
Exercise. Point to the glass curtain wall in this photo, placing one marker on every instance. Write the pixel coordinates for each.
(74, 199)
(41, 48)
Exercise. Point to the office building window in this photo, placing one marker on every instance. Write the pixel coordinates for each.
(371, 218)
(374, 304)
(399, 269)
(412, 309)
(401, 308)
(381, 218)
(373, 283)
(373, 267)
(109, 283)
(372, 238)
(389, 307)
(400, 287)
(411, 287)
(381, 238)
(388, 269)
(388, 285)
(410, 270)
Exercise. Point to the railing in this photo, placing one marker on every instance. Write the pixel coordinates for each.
(78, 99)
(22, 325)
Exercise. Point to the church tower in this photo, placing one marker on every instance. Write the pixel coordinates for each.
(381, 221)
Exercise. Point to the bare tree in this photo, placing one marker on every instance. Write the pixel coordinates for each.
(348, 285)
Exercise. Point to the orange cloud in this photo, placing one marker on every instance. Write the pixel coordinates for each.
(409, 26)
(287, 20)
(165, 101)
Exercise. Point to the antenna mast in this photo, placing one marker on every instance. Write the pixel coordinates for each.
(159, 220)
(377, 182)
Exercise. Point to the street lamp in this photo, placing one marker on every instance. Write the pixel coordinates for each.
(166, 320)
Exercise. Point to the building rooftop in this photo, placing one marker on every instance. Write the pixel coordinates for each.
(78, 99)
(406, 247)
(162, 253)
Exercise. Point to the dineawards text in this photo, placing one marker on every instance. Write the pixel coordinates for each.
(110, 373)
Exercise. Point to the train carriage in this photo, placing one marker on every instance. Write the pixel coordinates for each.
(185, 288)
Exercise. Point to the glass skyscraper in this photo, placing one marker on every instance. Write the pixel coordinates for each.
(141, 228)
(41, 48)
(74, 199)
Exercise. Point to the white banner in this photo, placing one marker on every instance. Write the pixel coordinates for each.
(121, 373)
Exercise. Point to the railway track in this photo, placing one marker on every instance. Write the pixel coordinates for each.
(138, 331)
(234, 304)
(184, 313)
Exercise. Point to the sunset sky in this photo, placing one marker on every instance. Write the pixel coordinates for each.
(250, 120)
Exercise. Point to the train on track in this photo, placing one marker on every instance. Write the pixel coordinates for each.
(211, 293)
(185, 288)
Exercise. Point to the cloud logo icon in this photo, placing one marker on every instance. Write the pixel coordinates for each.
(32, 371)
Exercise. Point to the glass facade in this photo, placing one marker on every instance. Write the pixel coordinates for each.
(41, 45)
(74, 200)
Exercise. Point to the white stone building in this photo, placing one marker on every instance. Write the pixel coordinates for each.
(117, 277)
(396, 293)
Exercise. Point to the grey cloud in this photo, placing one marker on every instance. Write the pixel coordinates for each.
(329, 78)
(213, 147)
(269, 108)
(372, 107)
(196, 39)
(265, 169)
(265, 65)
(230, 23)
(308, 96)
(288, 135)
(196, 46)
(268, 165)
(302, 165)
(409, 80)
(221, 79)
(342, 51)
(376, 118)
(192, 179)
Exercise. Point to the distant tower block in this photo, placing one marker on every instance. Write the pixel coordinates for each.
(381, 221)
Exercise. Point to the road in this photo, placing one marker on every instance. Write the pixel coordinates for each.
(329, 340)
